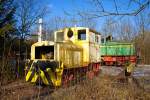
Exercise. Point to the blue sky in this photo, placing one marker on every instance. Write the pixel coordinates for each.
(57, 8)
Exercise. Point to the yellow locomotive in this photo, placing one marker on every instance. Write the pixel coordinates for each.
(72, 55)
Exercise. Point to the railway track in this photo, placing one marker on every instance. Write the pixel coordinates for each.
(24, 91)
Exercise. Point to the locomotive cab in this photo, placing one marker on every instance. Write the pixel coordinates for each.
(43, 50)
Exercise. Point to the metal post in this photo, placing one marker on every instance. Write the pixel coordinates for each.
(40, 30)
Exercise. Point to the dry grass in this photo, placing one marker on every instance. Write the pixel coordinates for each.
(100, 88)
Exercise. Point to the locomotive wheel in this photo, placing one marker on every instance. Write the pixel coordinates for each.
(67, 78)
(90, 72)
(96, 69)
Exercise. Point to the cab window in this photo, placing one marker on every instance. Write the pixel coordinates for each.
(81, 34)
(60, 36)
(44, 52)
(96, 39)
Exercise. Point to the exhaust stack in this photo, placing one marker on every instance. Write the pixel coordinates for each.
(40, 30)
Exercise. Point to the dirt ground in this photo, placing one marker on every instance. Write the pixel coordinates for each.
(141, 76)
(111, 84)
(111, 70)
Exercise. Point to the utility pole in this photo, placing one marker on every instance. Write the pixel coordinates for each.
(40, 30)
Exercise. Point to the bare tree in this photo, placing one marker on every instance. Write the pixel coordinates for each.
(86, 22)
(57, 22)
(142, 39)
(122, 30)
(108, 26)
(127, 32)
(28, 12)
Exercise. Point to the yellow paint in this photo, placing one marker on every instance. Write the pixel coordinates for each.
(28, 75)
(35, 77)
(56, 76)
(70, 55)
(43, 77)
(43, 56)
(37, 44)
(85, 44)
(130, 67)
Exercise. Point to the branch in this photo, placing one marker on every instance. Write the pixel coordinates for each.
(102, 11)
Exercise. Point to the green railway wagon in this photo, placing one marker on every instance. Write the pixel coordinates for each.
(117, 52)
(117, 49)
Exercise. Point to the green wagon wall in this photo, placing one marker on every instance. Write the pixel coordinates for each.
(117, 49)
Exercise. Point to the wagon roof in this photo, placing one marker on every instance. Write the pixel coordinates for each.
(118, 43)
